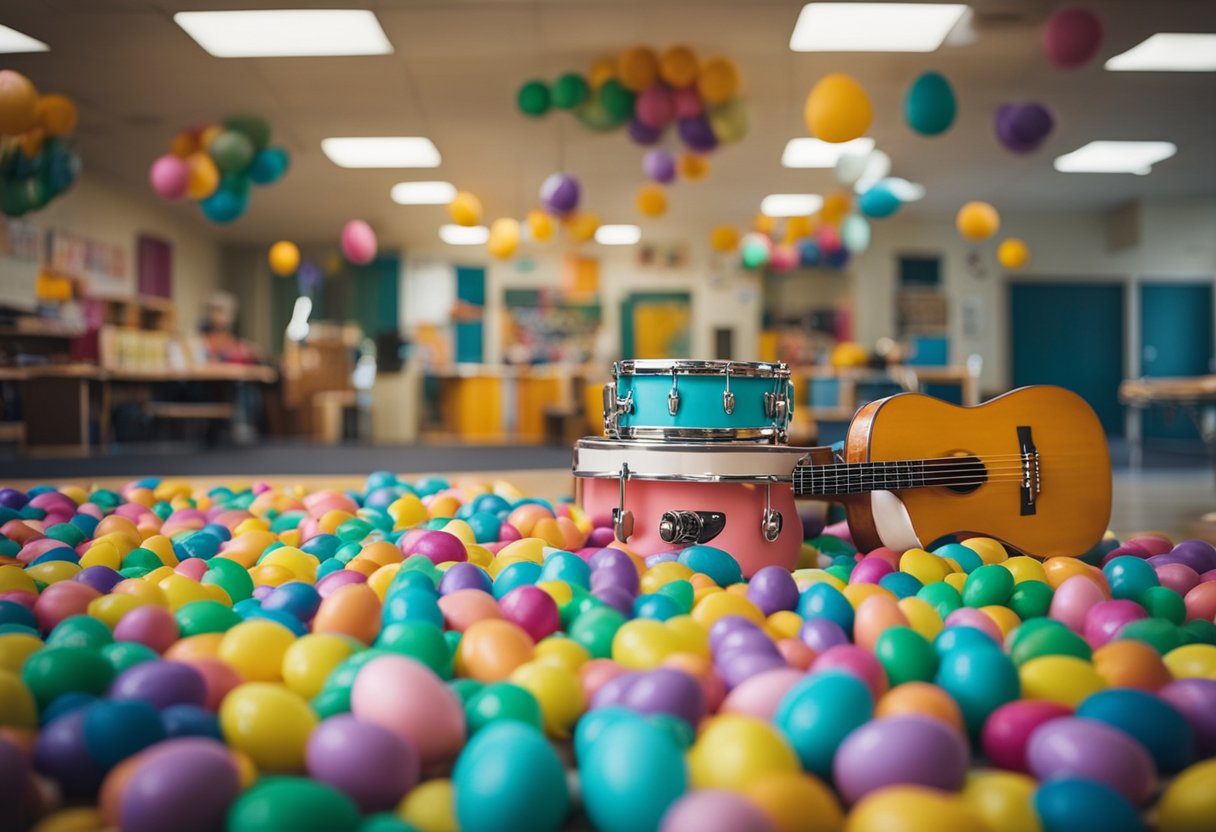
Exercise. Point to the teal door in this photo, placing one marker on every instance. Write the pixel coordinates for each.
(1071, 335)
(1175, 340)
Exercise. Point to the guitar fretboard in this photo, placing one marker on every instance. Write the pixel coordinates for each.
(893, 475)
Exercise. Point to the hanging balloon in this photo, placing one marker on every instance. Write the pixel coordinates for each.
(659, 166)
(465, 209)
(879, 202)
(796, 228)
(837, 110)
(724, 239)
(1072, 37)
(533, 99)
(254, 128)
(595, 116)
(850, 166)
(504, 237)
(835, 206)
(184, 144)
(809, 254)
(284, 258)
(638, 68)
(540, 225)
(358, 242)
(269, 165)
(687, 103)
(764, 224)
(569, 91)
(756, 250)
(693, 167)
(601, 71)
(855, 233)
(1013, 253)
(718, 81)
(878, 165)
(232, 151)
(784, 259)
(309, 278)
(18, 103)
(930, 106)
(655, 107)
(828, 239)
(837, 258)
(729, 121)
(678, 67)
(56, 115)
(204, 176)
(643, 134)
(697, 135)
(617, 99)
(237, 183)
(170, 177)
(651, 200)
(1022, 128)
(559, 194)
(224, 206)
(581, 227)
(977, 221)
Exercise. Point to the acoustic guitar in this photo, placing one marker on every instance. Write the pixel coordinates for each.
(1030, 468)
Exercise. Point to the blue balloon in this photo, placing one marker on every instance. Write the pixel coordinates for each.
(809, 254)
(837, 258)
(224, 206)
(930, 106)
(878, 202)
(269, 165)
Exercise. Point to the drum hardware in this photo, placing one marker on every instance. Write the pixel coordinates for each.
(771, 520)
(728, 398)
(678, 527)
(614, 408)
(673, 398)
(622, 518)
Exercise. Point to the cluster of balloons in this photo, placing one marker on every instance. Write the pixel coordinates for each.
(358, 244)
(216, 165)
(36, 164)
(826, 241)
(977, 221)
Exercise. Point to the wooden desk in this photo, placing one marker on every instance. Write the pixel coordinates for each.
(1195, 395)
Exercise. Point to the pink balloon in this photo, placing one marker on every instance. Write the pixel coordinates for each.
(784, 259)
(687, 102)
(1072, 37)
(358, 242)
(169, 176)
(828, 239)
(655, 107)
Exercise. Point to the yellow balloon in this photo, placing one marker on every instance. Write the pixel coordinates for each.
(849, 354)
(977, 221)
(693, 167)
(1064, 679)
(558, 690)
(1013, 253)
(1189, 803)
(540, 225)
(308, 661)
(764, 224)
(255, 649)
(204, 176)
(651, 200)
(796, 228)
(913, 809)
(465, 209)
(430, 806)
(284, 258)
(638, 68)
(1004, 799)
(838, 109)
(678, 67)
(718, 81)
(269, 723)
(504, 237)
(724, 239)
(601, 71)
(735, 751)
(835, 206)
(729, 121)
(582, 226)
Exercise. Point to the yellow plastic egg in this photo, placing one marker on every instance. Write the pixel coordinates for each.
(735, 751)
(721, 604)
(924, 566)
(662, 574)
(299, 563)
(1004, 618)
(1003, 799)
(1067, 680)
(54, 571)
(1192, 661)
(921, 616)
(531, 549)
(308, 661)
(17, 708)
(559, 692)
(109, 609)
(957, 580)
(333, 518)
(858, 594)
(256, 649)
(461, 530)
(430, 806)
(561, 651)
(380, 580)
(14, 579)
(1189, 802)
(147, 592)
(912, 809)
(15, 648)
(442, 506)
(1025, 568)
(989, 550)
(101, 553)
(691, 636)
(250, 524)
(782, 623)
(559, 591)
(407, 511)
(643, 643)
(269, 723)
(162, 547)
(796, 802)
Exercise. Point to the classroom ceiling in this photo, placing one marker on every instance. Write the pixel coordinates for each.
(457, 64)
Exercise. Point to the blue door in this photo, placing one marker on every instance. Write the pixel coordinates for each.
(1175, 340)
(1071, 335)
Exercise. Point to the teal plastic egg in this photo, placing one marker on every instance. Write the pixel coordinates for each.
(631, 774)
(510, 779)
(1152, 721)
(981, 679)
(817, 714)
(716, 563)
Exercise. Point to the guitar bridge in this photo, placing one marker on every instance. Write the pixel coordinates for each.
(1032, 482)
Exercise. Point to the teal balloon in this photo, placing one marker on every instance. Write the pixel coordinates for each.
(569, 91)
(232, 151)
(509, 778)
(224, 206)
(755, 255)
(237, 183)
(631, 775)
(254, 128)
(855, 233)
(930, 106)
(269, 165)
(879, 202)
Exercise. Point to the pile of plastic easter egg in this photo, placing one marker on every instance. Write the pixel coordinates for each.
(423, 656)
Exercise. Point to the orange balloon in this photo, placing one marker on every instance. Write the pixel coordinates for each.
(57, 115)
(31, 142)
(18, 103)
(693, 167)
(352, 610)
(920, 699)
(651, 200)
(204, 176)
(183, 144)
(837, 109)
(490, 650)
(724, 239)
(835, 206)
(638, 68)
(764, 224)
(582, 226)
(718, 81)
(678, 67)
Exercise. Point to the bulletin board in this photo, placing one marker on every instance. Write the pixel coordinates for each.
(656, 325)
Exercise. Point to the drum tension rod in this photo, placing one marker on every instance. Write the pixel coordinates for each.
(728, 398)
(622, 519)
(771, 521)
(673, 397)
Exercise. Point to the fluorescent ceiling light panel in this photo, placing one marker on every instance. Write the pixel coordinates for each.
(382, 152)
(12, 41)
(1115, 157)
(790, 205)
(464, 235)
(816, 153)
(1169, 52)
(905, 190)
(423, 193)
(286, 33)
(874, 27)
(618, 235)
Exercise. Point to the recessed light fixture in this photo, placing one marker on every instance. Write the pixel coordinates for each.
(464, 235)
(286, 33)
(1169, 52)
(381, 152)
(905, 190)
(874, 27)
(1115, 157)
(12, 41)
(423, 193)
(790, 205)
(816, 153)
(618, 235)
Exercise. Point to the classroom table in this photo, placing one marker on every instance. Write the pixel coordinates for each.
(1193, 395)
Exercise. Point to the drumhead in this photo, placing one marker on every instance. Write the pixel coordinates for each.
(685, 462)
(694, 367)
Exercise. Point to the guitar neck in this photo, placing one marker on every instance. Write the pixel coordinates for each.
(894, 475)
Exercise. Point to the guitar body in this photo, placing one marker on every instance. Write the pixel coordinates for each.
(1066, 515)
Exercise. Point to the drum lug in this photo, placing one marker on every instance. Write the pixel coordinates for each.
(771, 520)
(776, 407)
(622, 518)
(614, 407)
(728, 398)
(673, 397)
(683, 526)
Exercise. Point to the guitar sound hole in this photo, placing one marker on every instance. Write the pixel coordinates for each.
(960, 474)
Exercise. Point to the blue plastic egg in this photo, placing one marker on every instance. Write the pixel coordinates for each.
(1152, 721)
(1076, 805)
(114, 730)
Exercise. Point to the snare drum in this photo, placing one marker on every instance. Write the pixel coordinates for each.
(696, 401)
(665, 496)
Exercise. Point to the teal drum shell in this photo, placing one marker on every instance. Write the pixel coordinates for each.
(639, 402)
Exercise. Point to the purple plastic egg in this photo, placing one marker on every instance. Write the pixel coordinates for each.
(737, 668)
(714, 810)
(463, 576)
(332, 582)
(1075, 747)
(1197, 554)
(101, 578)
(618, 598)
(12, 498)
(665, 690)
(161, 684)
(371, 764)
(773, 589)
(60, 753)
(726, 625)
(900, 750)
(822, 634)
(613, 691)
(184, 784)
(743, 640)
(1195, 699)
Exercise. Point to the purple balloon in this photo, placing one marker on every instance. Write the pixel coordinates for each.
(60, 753)
(666, 690)
(697, 135)
(559, 194)
(372, 765)
(185, 784)
(161, 684)
(903, 750)
(772, 589)
(659, 165)
(643, 133)
(309, 277)
(1023, 127)
(101, 578)
(1194, 699)
(1075, 747)
(822, 634)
